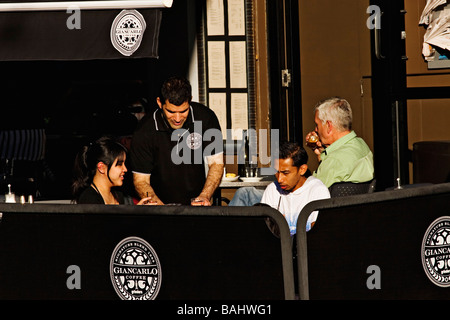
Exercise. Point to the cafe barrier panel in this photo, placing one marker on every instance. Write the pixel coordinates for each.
(385, 245)
(61, 251)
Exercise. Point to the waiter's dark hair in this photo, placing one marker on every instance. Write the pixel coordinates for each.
(177, 90)
(105, 149)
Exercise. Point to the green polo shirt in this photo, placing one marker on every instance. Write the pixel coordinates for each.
(347, 159)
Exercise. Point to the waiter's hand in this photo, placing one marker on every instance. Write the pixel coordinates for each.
(200, 201)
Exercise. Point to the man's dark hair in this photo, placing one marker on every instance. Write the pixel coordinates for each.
(294, 151)
(177, 90)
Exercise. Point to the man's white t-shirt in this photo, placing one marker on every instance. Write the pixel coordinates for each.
(290, 204)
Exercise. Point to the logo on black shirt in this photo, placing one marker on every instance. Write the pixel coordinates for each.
(194, 140)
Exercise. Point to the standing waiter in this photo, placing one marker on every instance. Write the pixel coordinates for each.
(171, 146)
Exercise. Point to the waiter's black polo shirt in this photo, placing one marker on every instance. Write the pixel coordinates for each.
(175, 159)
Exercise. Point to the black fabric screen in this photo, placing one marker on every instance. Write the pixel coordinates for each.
(384, 230)
(205, 253)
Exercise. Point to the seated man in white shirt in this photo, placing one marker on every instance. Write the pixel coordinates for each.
(295, 186)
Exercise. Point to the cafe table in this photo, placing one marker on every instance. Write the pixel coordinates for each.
(261, 183)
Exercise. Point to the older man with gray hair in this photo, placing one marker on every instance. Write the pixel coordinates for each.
(343, 156)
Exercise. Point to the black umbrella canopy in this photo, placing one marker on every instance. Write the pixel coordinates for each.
(55, 30)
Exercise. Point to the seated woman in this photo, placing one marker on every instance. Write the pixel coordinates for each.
(99, 169)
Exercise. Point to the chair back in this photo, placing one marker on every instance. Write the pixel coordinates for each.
(342, 189)
(431, 161)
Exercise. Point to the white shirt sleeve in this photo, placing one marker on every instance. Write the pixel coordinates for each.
(317, 193)
(270, 195)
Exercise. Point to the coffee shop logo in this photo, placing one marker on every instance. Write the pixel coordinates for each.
(135, 270)
(436, 252)
(194, 141)
(127, 31)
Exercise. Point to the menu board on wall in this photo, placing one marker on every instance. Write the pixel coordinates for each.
(215, 18)
(236, 18)
(239, 113)
(228, 63)
(238, 65)
(216, 64)
(218, 103)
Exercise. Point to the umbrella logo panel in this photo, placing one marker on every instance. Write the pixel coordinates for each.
(127, 31)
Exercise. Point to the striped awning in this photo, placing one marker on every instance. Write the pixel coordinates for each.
(27, 144)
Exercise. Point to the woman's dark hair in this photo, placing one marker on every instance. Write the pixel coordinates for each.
(106, 150)
(177, 90)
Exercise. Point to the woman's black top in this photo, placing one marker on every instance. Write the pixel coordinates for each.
(91, 196)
